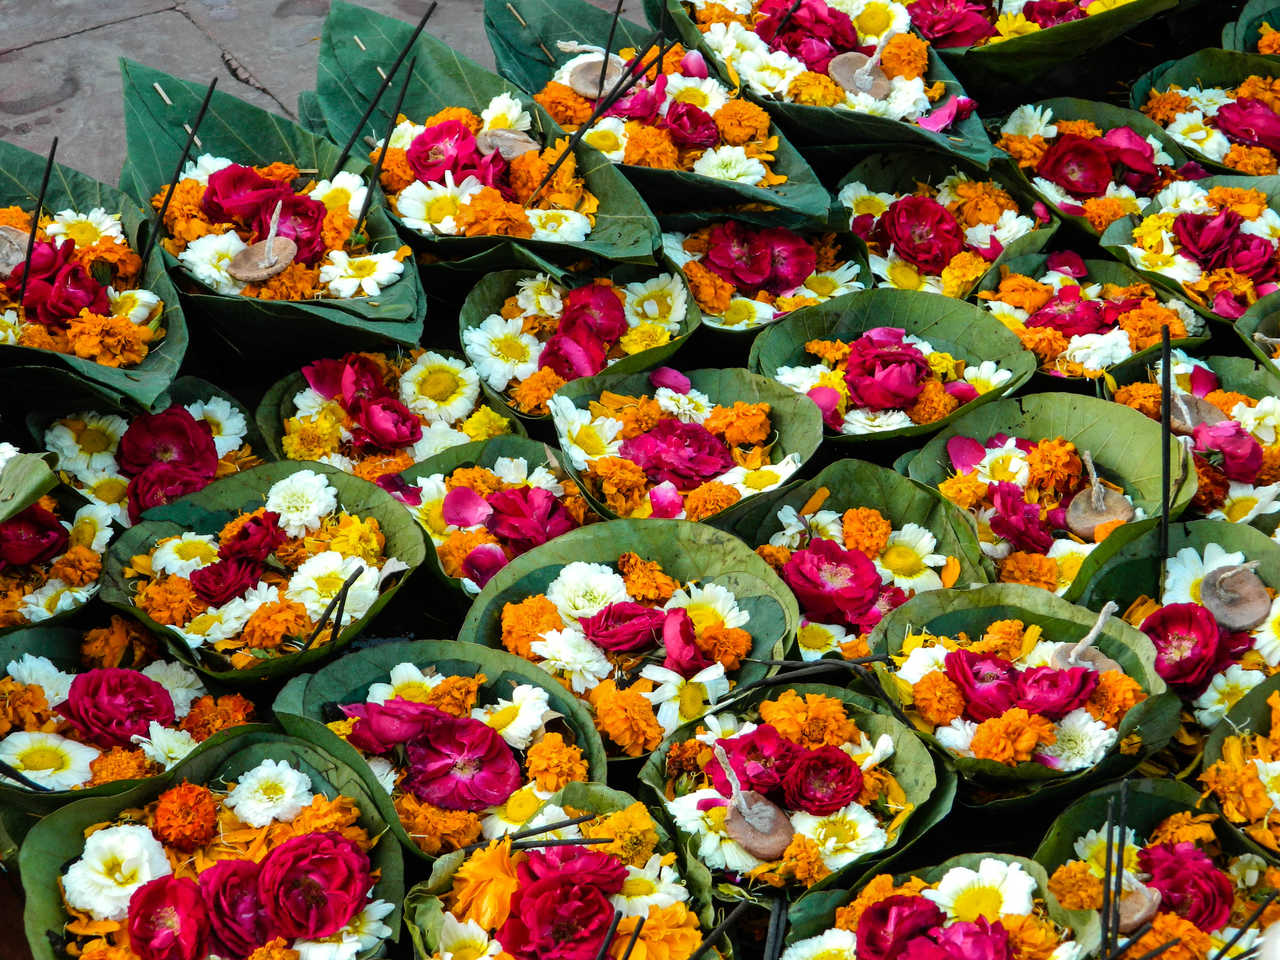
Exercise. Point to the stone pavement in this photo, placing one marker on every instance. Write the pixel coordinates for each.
(58, 59)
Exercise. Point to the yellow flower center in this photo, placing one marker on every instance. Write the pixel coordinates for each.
(432, 515)
(739, 311)
(761, 479)
(703, 615)
(83, 532)
(413, 690)
(904, 276)
(589, 441)
(1237, 509)
(1069, 568)
(656, 305)
(93, 440)
(822, 286)
(113, 867)
(868, 204)
(510, 348)
(902, 561)
(874, 20)
(501, 719)
(364, 267)
(638, 886)
(111, 490)
(84, 233)
(604, 140)
(468, 950)
(521, 806)
(978, 902)
(43, 758)
(441, 208)
(716, 817)
(328, 584)
(338, 198)
(271, 790)
(1004, 468)
(502, 122)
(188, 550)
(695, 95)
(692, 698)
(813, 637)
(438, 385)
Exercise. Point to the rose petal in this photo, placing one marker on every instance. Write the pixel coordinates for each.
(1203, 381)
(463, 507)
(965, 453)
(483, 562)
(666, 501)
(670, 378)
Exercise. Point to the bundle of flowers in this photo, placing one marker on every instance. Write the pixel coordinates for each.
(526, 899)
(1227, 410)
(91, 305)
(1024, 691)
(1084, 318)
(940, 357)
(1044, 505)
(51, 548)
(930, 225)
(464, 743)
(1179, 873)
(375, 415)
(242, 578)
(671, 445)
(483, 504)
(797, 789)
(855, 542)
(979, 905)
(1240, 767)
(744, 276)
(649, 623)
(129, 464)
(466, 161)
(528, 333)
(1219, 106)
(260, 847)
(95, 711)
(262, 222)
(1091, 161)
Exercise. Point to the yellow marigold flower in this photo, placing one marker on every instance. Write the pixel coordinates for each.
(312, 438)
(644, 336)
(485, 424)
(1010, 25)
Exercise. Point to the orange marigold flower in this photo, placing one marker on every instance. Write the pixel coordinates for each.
(79, 567)
(815, 90)
(1101, 212)
(484, 886)
(1081, 128)
(645, 581)
(1251, 161)
(965, 490)
(866, 530)
(1264, 88)
(480, 479)
(1115, 695)
(531, 394)
(741, 425)
(210, 715)
(961, 272)
(272, 623)
(1021, 291)
(1144, 322)
(278, 170)
(932, 404)
(1250, 204)
(1237, 787)
(709, 499)
(275, 949)
(1212, 486)
(171, 601)
(1045, 342)
(1270, 472)
(457, 546)
(526, 621)
(15, 217)
(110, 341)
(461, 114)
(121, 763)
(813, 720)
(625, 716)
(1143, 397)
(487, 214)
(937, 699)
(1030, 937)
(631, 833)
(710, 13)
(566, 107)
(1228, 400)
(1192, 942)
(1075, 886)
(1184, 827)
(649, 146)
(24, 707)
(725, 645)
(620, 483)
(433, 829)
(669, 933)
(1268, 40)
(1054, 467)
(186, 816)
(1003, 638)
(295, 282)
(39, 337)
(1012, 737)
(711, 291)
(906, 56)
(552, 763)
(380, 464)
(101, 949)
(636, 414)
(1032, 569)
(1164, 107)
(740, 121)
(456, 695)
(980, 202)
(775, 557)
(1026, 150)
(830, 352)
(396, 172)
(118, 260)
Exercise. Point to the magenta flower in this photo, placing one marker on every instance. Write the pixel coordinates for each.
(883, 372)
(381, 726)
(670, 378)
(301, 220)
(822, 781)
(1055, 693)
(791, 259)
(989, 684)
(1231, 448)
(1050, 13)
(1203, 381)
(684, 454)
(831, 583)
(444, 148)
(1068, 262)
(961, 390)
(886, 928)
(463, 507)
(239, 921)
(965, 453)
(625, 627)
(666, 502)
(359, 380)
(760, 759)
(1189, 646)
(1072, 315)
(604, 871)
(168, 920)
(572, 357)
(1250, 122)
(921, 230)
(679, 643)
(734, 254)
(1189, 884)
(692, 64)
(1206, 237)
(595, 308)
(527, 517)
(483, 562)
(691, 127)
(643, 103)
(1077, 165)
(463, 765)
(236, 194)
(828, 402)
(384, 423)
(1016, 520)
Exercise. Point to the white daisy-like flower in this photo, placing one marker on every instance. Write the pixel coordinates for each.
(898, 274)
(11, 327)
(436, 437)
(1098, 351)
(678, 700)
(208, 257)
(692, 407)
(86, 441)
(1190, 130)
(1054, 193)
(1245, 501)
(302, 500)
(584, 438)
(273, 790)
(1261, 420)
(957, 736)
(505, 112)
(768, 477)
(764, 71)
(714, 848)
(53, 598)
(1246, 870)
(1183, 196)
(432, 208)
(1243, 942)
(731, 164)
(661, 300)
(728, 41)
(673, 249)
(1003, 464)
(540, 294)
(367, 925)
(653, 885)
(1082, 742)
(1164, 262)
(515, 471)
(1269, 774)
(465, 940)
(48, 759)
(995, 889)
(228, 620)
(1030, 121)
(877, 21)
(1208, 100)
(570, 654)
(796, 530)
(1185, 571)
(1225, 690)
(203, 167)
(429, 512)
(226, 423)
(706, 93)
(559, 226)
(30, 669)
(858, 421)
(987, 376)
(609, 136)
(407, 682)
(908, 559)
(708, 605)
(184, 554)
(346, 191)
(137, 306)
(518, 718)
(501, 351)
(116, 861)
(184, 685)
(526, 808)
(1266, 637)
(1069, 555)
(1091, 847)
(860, 200)
(1265, 225)
(582, 589)
(743, 313)
(321, 577)
(825, 284)
(843, 836)
(384, 772)
(816, 640)
(926, 658)
(834, 944)
(166, 746)
(439, 388)
(86, 229)
(348, 276)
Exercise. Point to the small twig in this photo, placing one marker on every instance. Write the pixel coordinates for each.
(777, 929)
(1107, 868)
(786, 17)
(1166, 432)
(35, 224)
(608, 44)
(158, 227)
(14, 774)
(851, 664)
(1119, 878)
(375, 178)
(1132, 937)
(566, 842)
(718, 930)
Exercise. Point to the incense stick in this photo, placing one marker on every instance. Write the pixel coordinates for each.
(158, 226)
(35, 225)
(375, 179)
(1166, 430)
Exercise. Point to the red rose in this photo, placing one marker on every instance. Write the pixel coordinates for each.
(1250, 122)
(1072, 315)
(256, 539)
(301, 220)
(604, 871)
(311, 886)
(832, 582)
(1050, 13)
(381, 726)
(110, 705)
(686, 454)
(951, 23)
(594, 308)
(1189, 884)
(572, 357)
(1253, 256)
(172, 436)
(325, 377)
(236, 194)
(883, 372)
(59, 299)
(386, 424)
(1189, 646)
(527, 517)
(1207, 238)
(989, 684)
(162, 483)
(439, 149)
(625, 627)
(359, 381)
(734, 254)
(921, 231)
(1079, 166)
(885, 928)
(225, 580)
(462, 765)
(239, 921)
(33, 536)
(691, 126)
(760, 759)
(47, 258)
(1055, 693)
(168, 920)
(556, 919)
(683, 655)
(791, 259)
(822, 781)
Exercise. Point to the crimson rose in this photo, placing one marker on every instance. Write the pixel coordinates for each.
(311, 886)
(35, 535)
(225, 580)
(989, 684)
(921, 231)
(108, 706)
(162, 483)
(239, 921)
(168, 921)
(822, 781)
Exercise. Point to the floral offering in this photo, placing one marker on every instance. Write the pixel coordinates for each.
(743, 276)
(940, 238)
(1240, 768)
(375, 414)
(790, 792)
(1232, 436)
(547, 333)
(979, 23)
(463, 174)
(1086, 171)
(1077, 321)
(260, 587)
(976, 906)
(119, 712)
(82, 289)
(221, 210)
(678, 117)
(888, 379)
(1040, 508)
(1216, 243)
(1235, 127)
(264, 865)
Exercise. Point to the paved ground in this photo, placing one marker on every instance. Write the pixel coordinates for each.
(58, 74)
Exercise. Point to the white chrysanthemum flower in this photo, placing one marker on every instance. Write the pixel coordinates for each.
(834, 944)
(309, 404)
(1225, 690)
(743, 313)
(203, 167)
(768, 477)
(116, 861)
(559, 226)
(764, 71)
(302, 500)
(1098, 351)
(273, 790)
(11, 327)
(465, 940)
(30, 669)
(51, 760)
(226, 423)
(321, 577)
(796, 530)
(184, 554)
(53, 598)
(843, 836)
(1246, 870)
(571, 655)
(609, 136)
(137, 306)
(346, 191)
(439, 388)
(858, 421)
(1185, 571)
(677, 700)
(584, 438)
(436, 437)
(1208, 100)
(907, 559)
(661, 300)
(1091, 847)
(1265, 225)
(348, 276)
(540, 294)
(714, 848)
(1190, 130)
(1165, 262)
(403, 135)
(208, 257)
(1261, 421)
(995, 889)
(1183, 196)
(432, 208)
(85, 229)
(692, 407)
(86, 441)
(907, 99)
(957, 736)
(1070, 555)
(709, 605)
(166, 746)
(518, 718)
(1082, 742)
(407, 682)
(505, 112)
(515, 470)
(924, 659)
(825, 284)
(728, 41)
(731, 164)
(801, 379)
(582, 590)
(1266, 637)
(653, 885)
(1054, 193)
(184, 684)
(501, 351)
(1030, 121)
(816, 640)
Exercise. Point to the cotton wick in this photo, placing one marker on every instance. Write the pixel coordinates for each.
(269, 250)
(1095, 631)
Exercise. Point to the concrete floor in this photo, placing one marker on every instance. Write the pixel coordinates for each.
(58, 60)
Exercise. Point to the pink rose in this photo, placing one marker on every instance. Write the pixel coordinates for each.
(1189, 884)
(822, 781)
(691, 127)
(734, 255)
(59, 299)
(832, 583)
(443, 148)
(678, 641)
(665, 501)
(827, 400)
(256, 539)
(360, 381)
(572, 357)
(670, 378)
(643, 102)
(1077, 165)
(483, 562)
(604, 871)
(556, 918)
(311, 886)
(760, 759)
(885, 928)
(239, 921)
(236, 193)
(921, 231)
(1071, 314)
(47, 259)
(386, 424)
(595, 308)
(325, 377)
(1206, 237)
(463, 765)
(1253, 256)
(1189, 648)
(1250, 122)
(527, 517)
(1016, 520)
(1231, 448)
(382, 726)
(686, 454)
(791, 259)
(168, 920)
(1050, 13)
(625, 627)
(301, 220)
(108, 706)
(35, 535)
(951, 23)
(989, 684)
(883, 372)
(1055, 693)
(693, 65)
